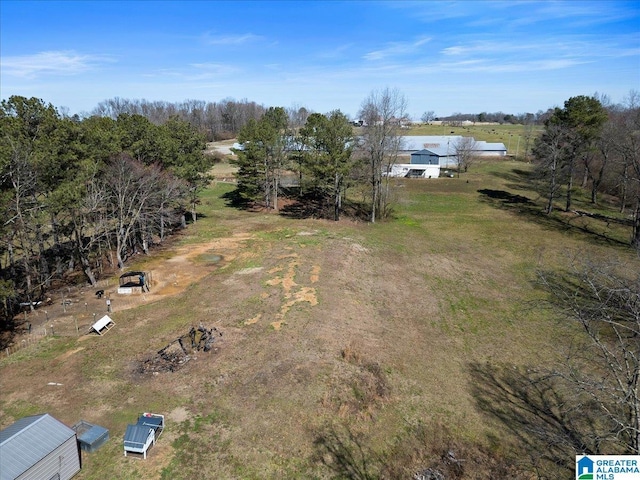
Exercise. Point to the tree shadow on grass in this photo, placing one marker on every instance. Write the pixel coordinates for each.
(234, 199)
(301, 206)
(344, 453)
(596, 230)
(550, 424)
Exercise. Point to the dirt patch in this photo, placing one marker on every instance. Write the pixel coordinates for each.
(66, 355)
(178, 415)
(292, 292)
(74, 309)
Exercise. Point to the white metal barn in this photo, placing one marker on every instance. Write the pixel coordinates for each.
(429, 153)
(444, 146)
(38, 447)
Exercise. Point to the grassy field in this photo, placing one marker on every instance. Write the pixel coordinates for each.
(350, 350)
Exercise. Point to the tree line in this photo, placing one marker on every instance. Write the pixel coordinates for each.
(85, 194)
(215, 120)
(595, 145)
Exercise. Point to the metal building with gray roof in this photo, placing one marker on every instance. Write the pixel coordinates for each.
(38, 447)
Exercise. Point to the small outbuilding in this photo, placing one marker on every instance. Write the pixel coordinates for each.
(38, 447)
(134, 282)
(90, 437)
(103, 325)
(140, 437)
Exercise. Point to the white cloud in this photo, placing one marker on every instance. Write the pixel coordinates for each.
(242, 39)
(51, 63)
(398, 48)
(215, 68)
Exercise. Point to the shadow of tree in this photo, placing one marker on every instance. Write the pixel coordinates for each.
(551, 425)
(597, 231)
(344, 453)
(297, 206)
(505, 197)
(235, 200)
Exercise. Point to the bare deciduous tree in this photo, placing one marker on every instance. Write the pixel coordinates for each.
(132, 188)
(628, 147)
(549, 152)
(588, 403)
(602, 368)
(465, 151)
(381, 113)
(428, 117)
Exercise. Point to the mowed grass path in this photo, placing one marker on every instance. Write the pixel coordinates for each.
(395, 315)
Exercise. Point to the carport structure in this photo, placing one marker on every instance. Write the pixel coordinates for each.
(134, 282)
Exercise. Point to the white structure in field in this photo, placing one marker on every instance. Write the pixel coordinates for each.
(103, 325)
(427, 154)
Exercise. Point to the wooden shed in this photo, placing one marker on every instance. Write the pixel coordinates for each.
(38, 447)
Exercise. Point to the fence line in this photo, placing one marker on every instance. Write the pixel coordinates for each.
(33, 338)
(75, 319)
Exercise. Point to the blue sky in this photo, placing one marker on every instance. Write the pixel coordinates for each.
(444, 56)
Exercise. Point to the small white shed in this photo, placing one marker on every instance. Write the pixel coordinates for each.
(103, 325)
(38, 447)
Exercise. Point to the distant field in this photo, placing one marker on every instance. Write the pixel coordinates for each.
(349, 349)
(511, 135)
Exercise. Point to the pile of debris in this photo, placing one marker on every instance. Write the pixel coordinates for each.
(177, 353)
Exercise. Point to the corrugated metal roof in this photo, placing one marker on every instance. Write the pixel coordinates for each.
(419, 142)
(486, 146)
(28, 441)
(90, 434)
(136, 436)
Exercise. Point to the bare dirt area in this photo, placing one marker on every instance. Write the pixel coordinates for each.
(72, 311)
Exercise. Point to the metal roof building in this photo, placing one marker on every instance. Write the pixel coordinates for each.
(445, 145)
(38, 447)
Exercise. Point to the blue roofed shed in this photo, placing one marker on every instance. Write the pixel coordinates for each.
(38, 447)
(90, 437)
(140, 437)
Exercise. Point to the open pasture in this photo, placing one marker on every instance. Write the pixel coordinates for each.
(349, 350)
